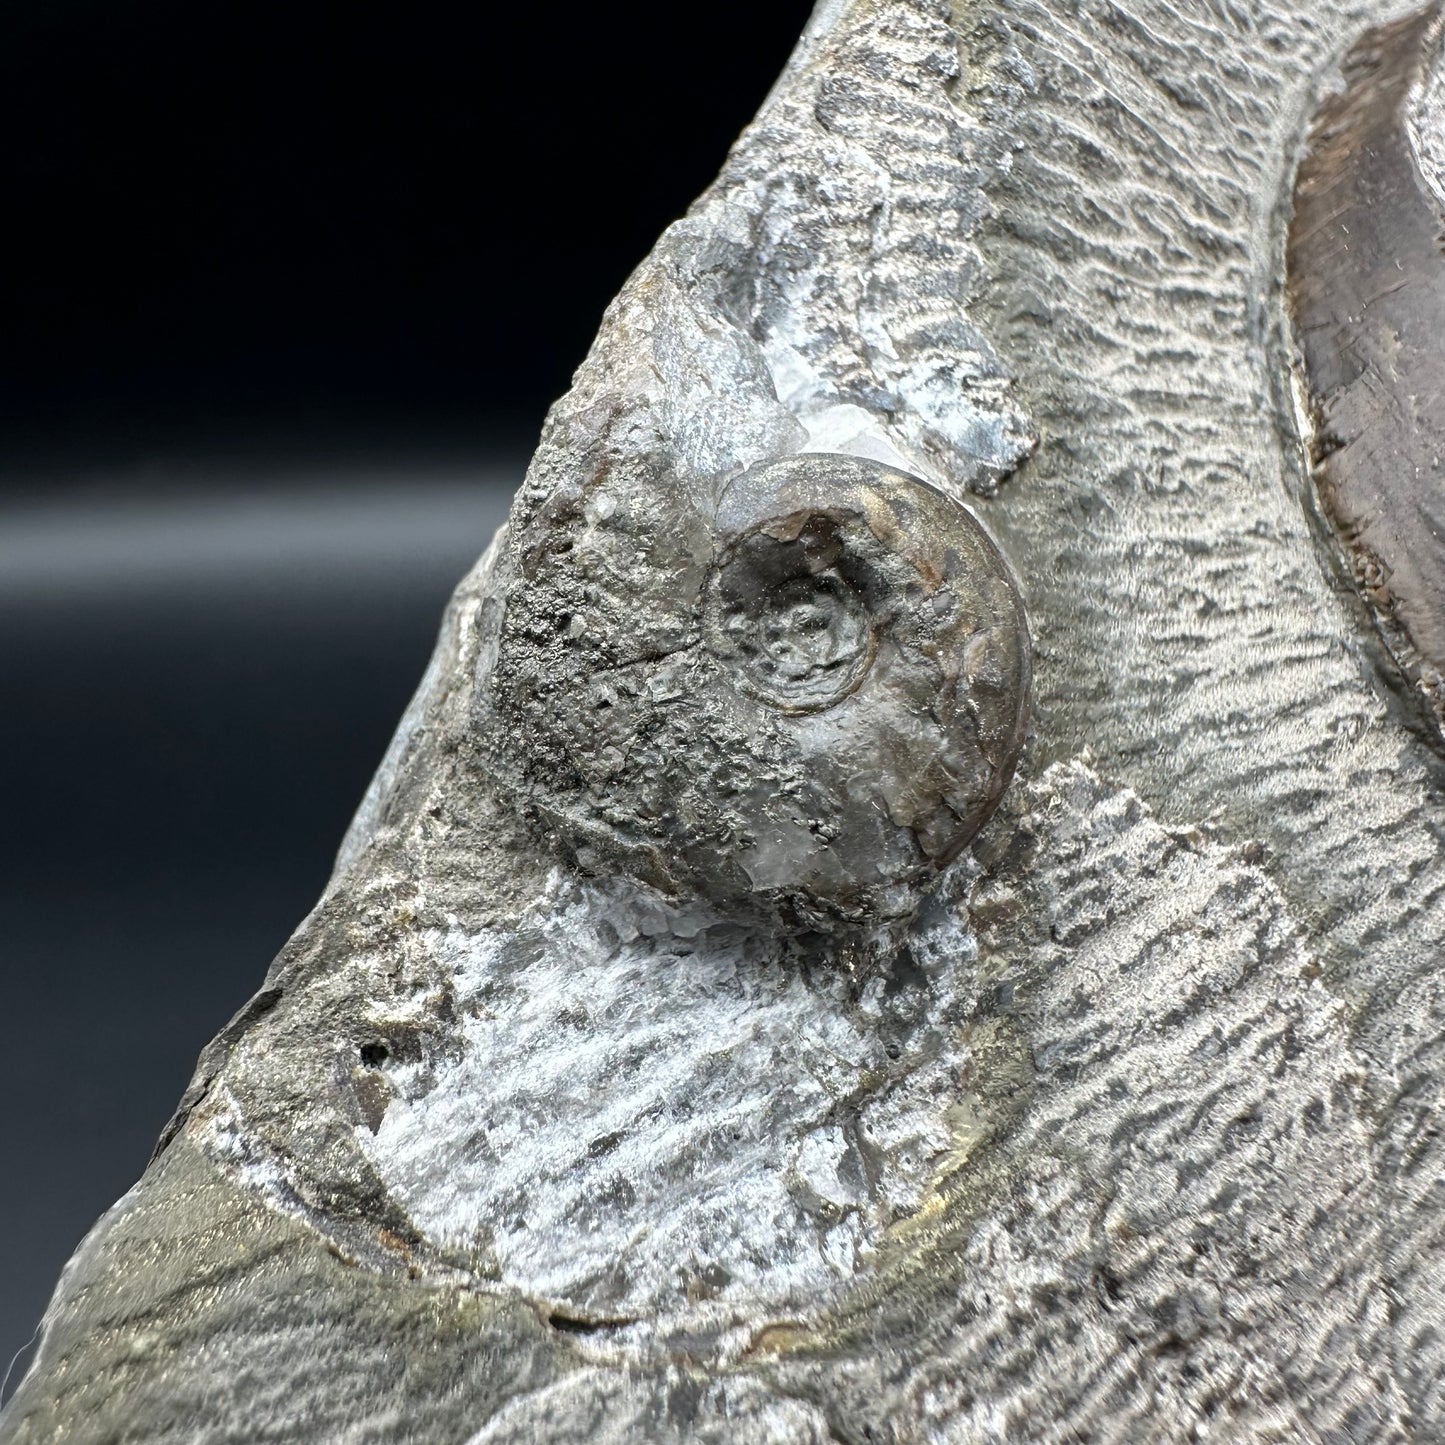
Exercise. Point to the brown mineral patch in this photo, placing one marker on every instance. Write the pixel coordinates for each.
(1367, 289)
(774, 1339)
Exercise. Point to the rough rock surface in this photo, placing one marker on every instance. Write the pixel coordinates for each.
(1134, 1136)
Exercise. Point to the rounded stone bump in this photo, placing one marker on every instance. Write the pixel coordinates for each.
(829, 731)
(786, 608)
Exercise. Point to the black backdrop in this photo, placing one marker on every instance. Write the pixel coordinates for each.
(290, 288)
(244, 215)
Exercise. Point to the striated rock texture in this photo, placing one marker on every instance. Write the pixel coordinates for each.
(1123, 1128)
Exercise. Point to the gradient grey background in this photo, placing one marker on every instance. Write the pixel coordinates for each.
(291, 291)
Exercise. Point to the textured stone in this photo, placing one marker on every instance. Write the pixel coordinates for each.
(1132, 1132)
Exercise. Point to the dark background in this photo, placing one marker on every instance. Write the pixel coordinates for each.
(289, 289)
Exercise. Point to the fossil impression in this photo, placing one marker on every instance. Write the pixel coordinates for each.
(908, 905)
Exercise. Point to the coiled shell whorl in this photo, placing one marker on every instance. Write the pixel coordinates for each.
(807, 703)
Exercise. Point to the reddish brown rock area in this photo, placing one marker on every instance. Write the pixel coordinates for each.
(1367, 290)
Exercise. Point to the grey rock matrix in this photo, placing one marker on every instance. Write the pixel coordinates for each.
(701, 1037)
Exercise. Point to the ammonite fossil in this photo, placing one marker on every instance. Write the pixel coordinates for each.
(833, 710)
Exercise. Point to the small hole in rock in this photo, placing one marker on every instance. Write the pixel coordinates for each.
(571, 1325)
(374, 1055)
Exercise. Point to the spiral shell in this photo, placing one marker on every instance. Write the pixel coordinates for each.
(833, 701)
